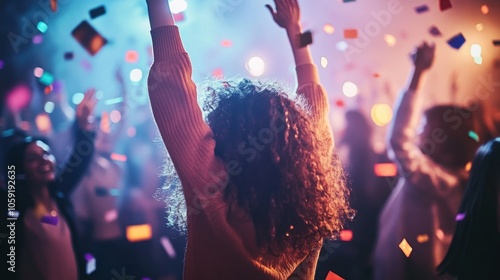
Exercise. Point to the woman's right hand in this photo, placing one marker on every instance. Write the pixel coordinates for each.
(287, 14)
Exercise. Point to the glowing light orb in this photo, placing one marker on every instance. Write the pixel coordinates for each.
(390, 40)
(485, 9)
(18, 98)
(324, 62)
(178, 6)
(38, 72)
(77, 98)
(256, 66)
(381, 114)
(115, 116)
(479, 27)
(475, 50)
(135, 75)
(349, 89)
(49, 107)
(342, 46)
(328, 28)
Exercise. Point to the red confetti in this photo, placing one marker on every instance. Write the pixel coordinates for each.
(339, 103)
(333, 276)
(131, 56)
(350, 33)
(444, 5)
(385, 169)
(226, 43)
(346, 235)
(179, 17)
(118, 157)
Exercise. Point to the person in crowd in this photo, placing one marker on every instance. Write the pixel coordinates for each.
(474, 252)
(262, 188)
(418, 220)
(46, 245)
(351, 256)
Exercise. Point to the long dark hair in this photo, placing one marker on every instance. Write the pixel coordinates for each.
(293, 190)
(474, 250)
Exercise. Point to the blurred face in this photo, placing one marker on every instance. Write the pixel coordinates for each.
(429, 140)
(39, 164)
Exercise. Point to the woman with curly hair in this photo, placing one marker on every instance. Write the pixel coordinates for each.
(261, 184)
(475, 249)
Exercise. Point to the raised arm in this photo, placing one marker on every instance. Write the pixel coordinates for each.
(83, 148)
(287, 16)
(172, 94)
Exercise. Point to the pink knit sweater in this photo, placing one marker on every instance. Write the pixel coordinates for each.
(221, 236)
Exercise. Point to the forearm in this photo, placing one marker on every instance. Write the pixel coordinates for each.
(159, 13)
(301, 54)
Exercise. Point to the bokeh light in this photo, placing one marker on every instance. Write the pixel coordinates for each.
(390, 40)
(49, 107)
(478, 60)
(479, 27)
(38, 72)
(115, 116)
(178, 6)
(256, 66)
(349, 89)
(342, 46)
(324, 62)
(381, 114)
(485, 9)
(328, 28)
(135, 75)
(42, 26)
(77, 98)
(475, 50)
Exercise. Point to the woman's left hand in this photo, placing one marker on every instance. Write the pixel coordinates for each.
(85, 110)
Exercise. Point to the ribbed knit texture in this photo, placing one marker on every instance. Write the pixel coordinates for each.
(221, 242)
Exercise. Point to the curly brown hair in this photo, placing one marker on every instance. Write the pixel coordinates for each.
(294, 191)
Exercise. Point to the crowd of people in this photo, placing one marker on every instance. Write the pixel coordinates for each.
(289, 205)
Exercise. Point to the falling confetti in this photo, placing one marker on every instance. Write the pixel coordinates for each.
(474, 136)
(118, 157)
(346, 235)
(91, 263)
(53, 5)
(422, 9)
(440, 234)
(88, 37)
(422, 238)
(460, 217)
(305, 39)
(333, 276)
(114, 101)
(328, 28)
(350, 33)
(97, 12)
(51, 220)
(444, 5)
(131, 56)
(457, 41)
(434, 31)
(496, 43)
(68, 55)
(405, 247)
(139, 232)
(385, 169)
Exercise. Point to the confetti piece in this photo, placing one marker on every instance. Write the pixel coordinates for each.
(422, 9)
(346, 235)
(105, 125)
(138, 233)
(38, 39)
(485, 9)
(47, 219)
(422, 238)
(440, 234)
(385, 169)
(305, 39)
(88, 37)
(218, 74)
(350, 33)
(91, 263)
(131, 56)
(434, 31)
(347, 1)
(405, 247)
(68, 55)
(460, 217)
(167, 245)
(474, 135)
(468, 166)
(444, 5)
(47, 78)
(42, 26)
(496, 43)
(118, 157)
(179, 17)
(457, 41)
(226, 43)
(333, 276)
(111, 216)
(339, 103)
(97, 12)
(114, 101)
(53, 5)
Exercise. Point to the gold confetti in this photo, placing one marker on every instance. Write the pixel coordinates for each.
(405, 247)
(440, 234)
(422, 238)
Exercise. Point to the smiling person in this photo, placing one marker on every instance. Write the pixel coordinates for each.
(46, 246)
(258, 217)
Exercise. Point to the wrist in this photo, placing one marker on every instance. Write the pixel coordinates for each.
(294, 29)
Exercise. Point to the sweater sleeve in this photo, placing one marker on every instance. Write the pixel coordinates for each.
(187, 137)
(414, 166)
(315, 96)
